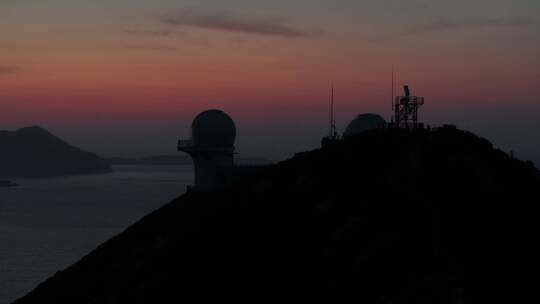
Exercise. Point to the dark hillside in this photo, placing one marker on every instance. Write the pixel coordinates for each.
(386, 217)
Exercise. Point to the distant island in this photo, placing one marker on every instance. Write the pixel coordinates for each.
(34, 152)
(159, 160)
(6, 183)
(387, 216)
(151, 160)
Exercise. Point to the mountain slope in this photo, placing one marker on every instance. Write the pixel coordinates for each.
(385, 217)
(35, 152)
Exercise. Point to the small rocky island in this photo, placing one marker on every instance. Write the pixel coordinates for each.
(34, 152)
(6, 183)
(388, 216)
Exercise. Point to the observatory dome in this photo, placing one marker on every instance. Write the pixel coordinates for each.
(213, 128)
(364, 122)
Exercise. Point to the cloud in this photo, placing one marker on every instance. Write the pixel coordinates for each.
(163, 34)
(151, 33)
(500, 22)
(448, 25)
(9, 69)
(159, 33)
(226, 21)
(160, 48)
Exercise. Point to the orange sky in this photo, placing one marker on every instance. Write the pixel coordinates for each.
(82, 68)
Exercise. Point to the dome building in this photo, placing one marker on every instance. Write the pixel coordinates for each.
(364, 122)
(211, 147)
(213, 128)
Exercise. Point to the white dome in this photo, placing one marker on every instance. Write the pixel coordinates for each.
(364, 122)
(213, 128)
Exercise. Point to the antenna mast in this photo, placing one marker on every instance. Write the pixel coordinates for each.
(333, 132)
(406, 110)
(392, 94)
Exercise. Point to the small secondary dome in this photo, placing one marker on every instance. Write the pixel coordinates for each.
(213, 128)
(364, 122)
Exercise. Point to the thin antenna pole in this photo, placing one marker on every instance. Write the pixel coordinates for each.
(392, 94)
(333, 115)
(332, 119)
(392, 117)
(330, 115)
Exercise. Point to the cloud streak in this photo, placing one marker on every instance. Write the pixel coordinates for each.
(140, 47)
(152, 33)
(226, 21)
(9, 69)
(448, 25)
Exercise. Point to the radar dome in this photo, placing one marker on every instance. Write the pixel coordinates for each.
(213, 128)
(364, 122)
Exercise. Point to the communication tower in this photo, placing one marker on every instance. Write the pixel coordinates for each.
(332, 133)
(406, 110)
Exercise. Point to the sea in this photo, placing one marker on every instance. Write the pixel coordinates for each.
(48, 224)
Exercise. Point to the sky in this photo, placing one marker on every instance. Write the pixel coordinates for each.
(126, 77)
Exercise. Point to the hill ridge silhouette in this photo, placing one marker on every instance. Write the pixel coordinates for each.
(387, 216)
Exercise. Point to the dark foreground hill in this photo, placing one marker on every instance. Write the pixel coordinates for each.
(386, 217)
(34, 152)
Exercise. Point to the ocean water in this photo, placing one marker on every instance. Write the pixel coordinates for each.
(48, 224)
